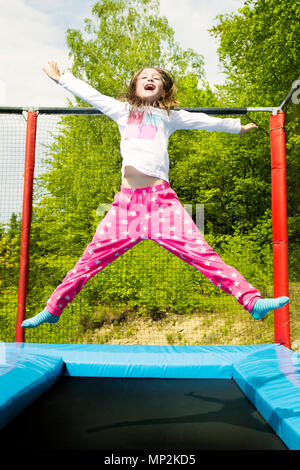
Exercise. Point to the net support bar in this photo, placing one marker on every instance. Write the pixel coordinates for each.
(26, 221)
(91, 111)
(279, 220)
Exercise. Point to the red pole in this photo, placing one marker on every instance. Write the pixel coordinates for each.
(26, 221)
(280, 233)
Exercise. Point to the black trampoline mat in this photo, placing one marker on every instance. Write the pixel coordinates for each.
(83, 413)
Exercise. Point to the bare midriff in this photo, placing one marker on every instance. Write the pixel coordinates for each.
(133, 178)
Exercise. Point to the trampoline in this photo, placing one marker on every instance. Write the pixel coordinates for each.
(145, 398)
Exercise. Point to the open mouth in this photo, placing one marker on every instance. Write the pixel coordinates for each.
(149, 86)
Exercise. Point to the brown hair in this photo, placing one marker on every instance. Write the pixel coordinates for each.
(167, 102)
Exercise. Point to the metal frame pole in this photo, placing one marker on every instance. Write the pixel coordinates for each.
(92, 111)
(26, 221)
(280, 233)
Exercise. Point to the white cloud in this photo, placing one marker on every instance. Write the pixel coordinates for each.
(29, 39)
(33, 32)
(2, 93)
(191, 20)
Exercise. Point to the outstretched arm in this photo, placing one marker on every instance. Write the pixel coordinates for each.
(186, 120)
(113, 108)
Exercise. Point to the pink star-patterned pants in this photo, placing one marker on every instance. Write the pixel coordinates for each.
(153, 213)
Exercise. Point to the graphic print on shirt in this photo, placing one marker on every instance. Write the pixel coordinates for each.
(142, 126)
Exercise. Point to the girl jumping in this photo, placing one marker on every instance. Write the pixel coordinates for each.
(146, 207)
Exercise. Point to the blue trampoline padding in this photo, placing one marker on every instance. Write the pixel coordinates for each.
(23, 378)
(190, 362)
(272, 384)
(269, 375)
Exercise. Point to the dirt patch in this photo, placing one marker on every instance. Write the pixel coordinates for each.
(196, 329)
(227, 326)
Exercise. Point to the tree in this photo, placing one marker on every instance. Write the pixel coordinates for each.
(9, 270)
(260, 53)
(122, 37)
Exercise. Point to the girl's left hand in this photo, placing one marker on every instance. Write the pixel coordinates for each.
(248, 127)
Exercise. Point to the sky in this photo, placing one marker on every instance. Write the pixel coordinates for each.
(34, 31)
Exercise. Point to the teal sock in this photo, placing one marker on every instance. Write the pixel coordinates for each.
(264, 306)
(43, 317)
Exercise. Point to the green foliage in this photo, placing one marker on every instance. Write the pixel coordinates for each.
(226, 174)
(259, 52)
(9, 271)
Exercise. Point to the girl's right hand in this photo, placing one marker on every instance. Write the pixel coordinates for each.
(53, 71)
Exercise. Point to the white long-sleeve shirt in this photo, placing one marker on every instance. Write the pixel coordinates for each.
(144, 137)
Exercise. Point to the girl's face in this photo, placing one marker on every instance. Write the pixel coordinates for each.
(149, 85)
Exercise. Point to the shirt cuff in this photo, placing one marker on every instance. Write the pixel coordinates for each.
(238, 126)
(63, 78)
